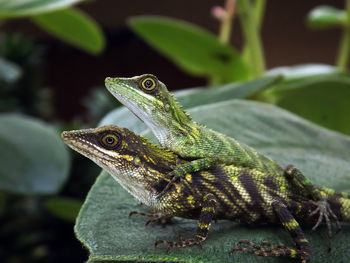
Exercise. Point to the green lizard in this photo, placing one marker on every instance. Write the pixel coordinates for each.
(240, 194)
(149, 99)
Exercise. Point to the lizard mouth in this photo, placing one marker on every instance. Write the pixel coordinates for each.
(85, 147)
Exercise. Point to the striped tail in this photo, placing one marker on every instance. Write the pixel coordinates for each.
(345, 209)
(331, 192)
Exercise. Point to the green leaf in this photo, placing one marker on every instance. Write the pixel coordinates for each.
(201, 96)
(292, 73)
(64, 208)
(33, 159)
(9, 71)
(323, 99)
(18, 8)
(191, 48)
(74, 27)
(322, 155)
(326, 17)
(194, 97)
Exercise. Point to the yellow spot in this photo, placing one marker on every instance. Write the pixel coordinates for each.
(178, 187)
(203, 225)
(208, 209)
(190, 200)
(303, 240)
(177, 205)
(188, 178)
(235, 178)
(324, 195)
(283, 188)
(291, 224)
(128, 157)
(293, 253)
(149, 158)
(299, 209)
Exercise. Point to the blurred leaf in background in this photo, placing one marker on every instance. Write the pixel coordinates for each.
(24, 93)
(74, 27)
(191, 48)
(315, 94)
(64, 208)
(20, 8)
(32, 156)
(9, 72)
(54, 16)
(322, 17)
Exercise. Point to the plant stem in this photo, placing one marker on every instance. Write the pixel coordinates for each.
(344, 49)
(252, 38)
(227, 23)
(260, 6)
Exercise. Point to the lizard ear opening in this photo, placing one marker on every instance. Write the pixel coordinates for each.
(149, 84)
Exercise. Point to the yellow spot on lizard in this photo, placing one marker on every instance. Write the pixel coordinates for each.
(189, 177)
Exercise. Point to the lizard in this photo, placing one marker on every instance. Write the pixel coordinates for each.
(241, 194)
(149, 99)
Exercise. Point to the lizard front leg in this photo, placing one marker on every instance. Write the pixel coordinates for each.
(204, 222)
(321, 203)
(189, 167)
(302, 251)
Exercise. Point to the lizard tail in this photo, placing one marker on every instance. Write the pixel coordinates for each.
(330, 192)
(345, 209)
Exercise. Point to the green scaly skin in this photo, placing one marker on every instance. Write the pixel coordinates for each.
(149, 99)
(231, 192)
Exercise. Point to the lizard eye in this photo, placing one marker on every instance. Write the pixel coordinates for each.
(149, 84)
(110, 141)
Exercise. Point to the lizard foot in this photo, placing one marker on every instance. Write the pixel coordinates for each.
(266, 249)
(156, 217)
(196, 241)
(325, 212)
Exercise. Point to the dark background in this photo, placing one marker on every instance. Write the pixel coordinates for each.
(72, 73)
(30, 233)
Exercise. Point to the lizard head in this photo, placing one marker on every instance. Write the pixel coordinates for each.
(149, 99)
(132, 160)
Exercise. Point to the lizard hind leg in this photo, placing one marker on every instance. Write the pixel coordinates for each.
(204, 222)
(302, 251)
(323, 208)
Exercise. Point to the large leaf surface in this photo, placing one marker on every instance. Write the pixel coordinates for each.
(33, 159)
(74, 27)
(194, 97)
(104, 227)
(17, 8)
(193, 49)
(323, 99)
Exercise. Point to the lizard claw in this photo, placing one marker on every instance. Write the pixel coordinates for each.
(325, 212)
